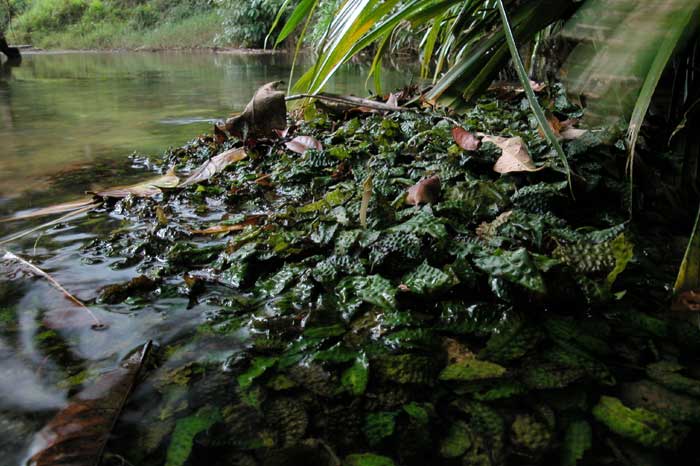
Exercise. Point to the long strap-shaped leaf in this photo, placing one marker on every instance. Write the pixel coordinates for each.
(689, 273)
(534, 104)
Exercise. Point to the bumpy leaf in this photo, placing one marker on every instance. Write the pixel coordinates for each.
(185, 431)
(458, 440)
(514, 266)
(426, 280)
(669, 374)
(367, 459)
(640, 425)
(422, 223)
(356, 377)
(373, 289)
(472, 369)
(378, 426)
(577, 440)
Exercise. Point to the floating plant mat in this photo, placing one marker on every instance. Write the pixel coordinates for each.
(408, 297)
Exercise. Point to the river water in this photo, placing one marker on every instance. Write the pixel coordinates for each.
(70, 122)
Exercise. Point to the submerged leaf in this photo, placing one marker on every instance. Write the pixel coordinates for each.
(185, 431)
(52, 210)
(78, 434)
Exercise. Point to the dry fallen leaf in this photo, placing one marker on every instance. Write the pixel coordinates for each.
(219, 135)
(465, 139)
(53, 210)
(266, 112)
(215, 165)
(514, 156)
(426, 191)
(301, 144)
(216, 229)
(563, 129)
(687, 301)
(148, 188)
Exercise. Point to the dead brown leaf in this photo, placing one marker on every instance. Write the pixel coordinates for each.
(426, 191)
(217, 229)
(77, 435)
(215, 165)
(219, 135)
(514, 156)
(465, 139)
(687, 301)
(148, 188)
(301, 144)
(53, 210)
(266, 112)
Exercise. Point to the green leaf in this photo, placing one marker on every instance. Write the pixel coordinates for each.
(356, 377)
(472, 369)
(379, 426)
(426, 280)
(367, 459)
(514, 266)
(457, 442)
(302, 9)
(689, 273)
(185, 431)
(577, 440)
(640, 425)
(257, 368)
(422, 223)
(373, 289)
(622, 251)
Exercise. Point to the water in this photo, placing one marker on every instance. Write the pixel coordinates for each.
(68, 123)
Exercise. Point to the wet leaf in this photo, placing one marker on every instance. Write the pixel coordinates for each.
(215, 165)
(515, 266)
(426, 191)
(472, 369)
(639, 425)
(186, 429)
(367, 459)
(257, 368)
(378, 426)
(458, 440)
(514, 155)
(356, 377)
(148, 188)
(465, 139)
(78, 433)
(301, 144)
(577, 440)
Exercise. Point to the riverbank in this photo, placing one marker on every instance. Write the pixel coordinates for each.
(345, 303)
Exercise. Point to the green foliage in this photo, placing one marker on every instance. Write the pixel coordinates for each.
(356, 377)
(257, 368)
(640, 425)
(185, 431)
(457, 441)
(247, 22)
(472, 369)
(427, 280)
(515, 266)
(378, 426)
(367, 459)
(530, 434)
(577, 440)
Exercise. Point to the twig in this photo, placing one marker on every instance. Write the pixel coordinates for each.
(98, 325)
